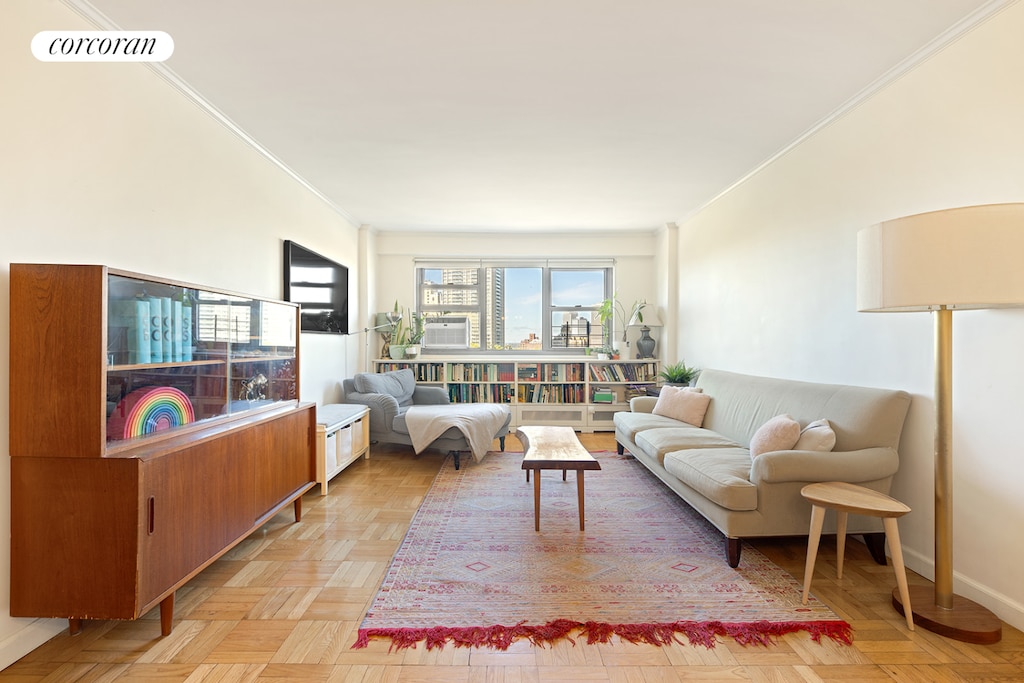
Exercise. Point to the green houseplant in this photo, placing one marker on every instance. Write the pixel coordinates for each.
(678, 373)
(612, 306)
(407, 334)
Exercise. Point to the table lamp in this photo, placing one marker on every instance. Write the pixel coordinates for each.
(942, 261)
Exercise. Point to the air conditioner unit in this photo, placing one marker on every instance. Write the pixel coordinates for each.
(446, 333)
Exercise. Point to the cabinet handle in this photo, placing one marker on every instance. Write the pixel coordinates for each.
(152, 514)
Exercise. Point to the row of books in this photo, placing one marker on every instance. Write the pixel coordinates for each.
(632, 372)
(480, 393)
(551, 393)
(149, 330)
(482, 372)
(424, 372)
(551, 372)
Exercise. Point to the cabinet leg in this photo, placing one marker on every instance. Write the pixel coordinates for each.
(74, 626)
(298, 509)
(166, 615)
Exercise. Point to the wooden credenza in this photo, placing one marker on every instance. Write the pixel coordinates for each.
(109, 525)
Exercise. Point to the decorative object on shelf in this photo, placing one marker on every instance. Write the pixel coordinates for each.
(386, 324)
(254, 388)
(148, 410)
(678, 374)
(607, 312)
(962, 258)
(646, 343)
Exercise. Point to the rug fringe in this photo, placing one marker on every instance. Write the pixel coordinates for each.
(704, 633)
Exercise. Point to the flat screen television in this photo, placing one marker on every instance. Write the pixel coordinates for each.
(320, 286)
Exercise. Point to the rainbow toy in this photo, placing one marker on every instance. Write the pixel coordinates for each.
(148, 410)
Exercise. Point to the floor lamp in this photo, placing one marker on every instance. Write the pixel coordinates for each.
(382, 321)
(956, 259)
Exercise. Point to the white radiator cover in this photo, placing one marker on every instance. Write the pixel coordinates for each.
(446, 333)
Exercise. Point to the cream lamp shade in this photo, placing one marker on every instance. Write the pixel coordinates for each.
(963, 258)
(650, 320)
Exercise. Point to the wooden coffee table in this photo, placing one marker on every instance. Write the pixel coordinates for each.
(554, 448)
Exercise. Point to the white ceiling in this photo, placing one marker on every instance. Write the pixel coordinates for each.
(533, 114)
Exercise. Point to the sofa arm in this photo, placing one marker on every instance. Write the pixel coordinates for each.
(867, 464)
(383, 409)
(427, 395)
(643, 404)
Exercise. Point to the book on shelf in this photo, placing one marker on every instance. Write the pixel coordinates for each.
(129, 319)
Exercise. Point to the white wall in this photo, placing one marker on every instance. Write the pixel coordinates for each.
(769, 286)
(106, 163)
(635, 264)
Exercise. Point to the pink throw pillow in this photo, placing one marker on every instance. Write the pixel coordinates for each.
(682, 404)
(777, 434)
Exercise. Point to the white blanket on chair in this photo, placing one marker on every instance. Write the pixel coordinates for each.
(478, 422)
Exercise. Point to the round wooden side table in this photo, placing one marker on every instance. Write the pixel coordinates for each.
(847, 498)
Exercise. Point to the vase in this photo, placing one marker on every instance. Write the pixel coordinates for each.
(397, 351)
(412, 350)
(645, 344)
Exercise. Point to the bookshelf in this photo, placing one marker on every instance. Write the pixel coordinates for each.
(582, 393)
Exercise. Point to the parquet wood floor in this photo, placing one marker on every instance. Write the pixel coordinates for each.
(284, 605)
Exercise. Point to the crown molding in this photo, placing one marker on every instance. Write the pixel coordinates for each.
(933, 47)
(101, 21)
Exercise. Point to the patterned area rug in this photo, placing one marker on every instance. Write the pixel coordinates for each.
(473, 572)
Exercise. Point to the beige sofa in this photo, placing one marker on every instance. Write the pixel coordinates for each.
(710, 467)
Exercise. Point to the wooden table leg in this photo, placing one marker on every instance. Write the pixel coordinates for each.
(840, 541)
(817, 520)
(579, 494)
(892, 534)
(536, 500)
(297, 505)
(166, 615)
(74, 626)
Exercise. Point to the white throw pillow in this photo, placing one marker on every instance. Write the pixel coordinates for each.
(777, 434)
(817, 436)
(682, 403)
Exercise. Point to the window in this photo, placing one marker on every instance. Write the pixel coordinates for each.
(517, 306)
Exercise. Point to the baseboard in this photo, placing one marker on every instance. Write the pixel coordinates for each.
(1004, 607)
(34, 634)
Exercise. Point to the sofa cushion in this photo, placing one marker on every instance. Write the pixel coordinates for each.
(630, 424)
(721, 475)
(777, 434)
(397, 383)
(682, 404)
(658, 442)
(817, 436)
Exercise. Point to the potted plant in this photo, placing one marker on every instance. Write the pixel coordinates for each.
(399, 334)
(678, 374)
(414, 336)
(607, 312)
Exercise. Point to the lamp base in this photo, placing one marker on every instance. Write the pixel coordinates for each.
(967, 622)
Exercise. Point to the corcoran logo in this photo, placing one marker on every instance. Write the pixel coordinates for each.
(102, 46)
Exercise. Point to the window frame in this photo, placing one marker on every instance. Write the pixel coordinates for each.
(546, 311)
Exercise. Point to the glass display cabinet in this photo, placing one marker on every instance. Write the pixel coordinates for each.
(154, 424)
